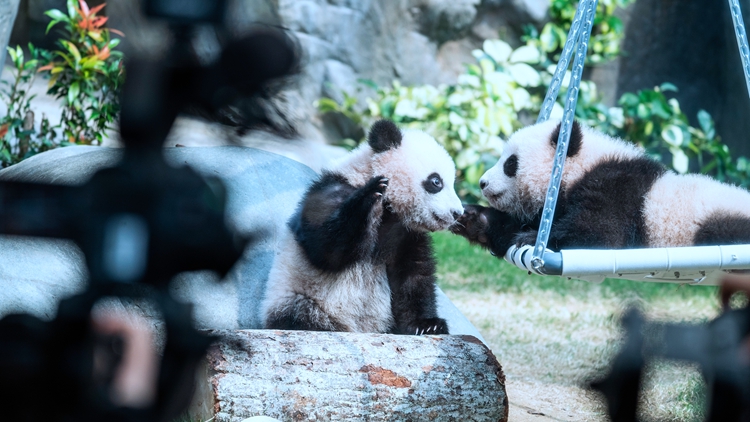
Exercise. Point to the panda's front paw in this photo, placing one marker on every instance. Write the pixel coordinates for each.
(424, 326)
(525, 238)
(376, 187)
(473, 224)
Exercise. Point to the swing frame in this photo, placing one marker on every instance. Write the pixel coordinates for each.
(685, 265)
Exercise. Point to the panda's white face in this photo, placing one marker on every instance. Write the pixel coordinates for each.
(518, 182)
(421, 178)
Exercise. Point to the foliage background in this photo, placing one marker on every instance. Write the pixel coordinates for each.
(85, 72)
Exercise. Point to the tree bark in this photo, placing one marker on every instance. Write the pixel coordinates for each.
(8, 12)
(300, 376)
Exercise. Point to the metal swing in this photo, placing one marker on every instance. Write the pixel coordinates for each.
(686, 265)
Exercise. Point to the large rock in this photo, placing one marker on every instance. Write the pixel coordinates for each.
(8, 12)
(263, 188)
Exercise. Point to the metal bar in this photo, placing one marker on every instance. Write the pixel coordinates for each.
(562, 141)
(691, 264)
(739, 31)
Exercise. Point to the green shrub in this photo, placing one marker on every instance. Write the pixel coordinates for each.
(606, 34)
(18, 137)
(85, 73)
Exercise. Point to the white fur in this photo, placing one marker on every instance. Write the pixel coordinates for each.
(359, 297)
(677, 204)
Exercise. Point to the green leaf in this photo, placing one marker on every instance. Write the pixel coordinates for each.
(643, 112)
(50, 25)
(680, 161)
(73, 92)
(524, 74)
(672, 134)
(498, 50)
(72, 9)
(548, 39)
(73, 50)
(706, 122)
(666, 86)
(327, 105)
(12, 53)
(525, 54)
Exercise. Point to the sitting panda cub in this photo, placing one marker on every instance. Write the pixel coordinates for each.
(612, 195)
(357, 254)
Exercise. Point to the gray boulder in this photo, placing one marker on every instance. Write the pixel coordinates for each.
(263, 191)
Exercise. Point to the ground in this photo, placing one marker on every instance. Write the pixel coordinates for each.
(551, 334)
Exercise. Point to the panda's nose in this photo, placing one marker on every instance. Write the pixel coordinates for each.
(457, 214)
(483, 183)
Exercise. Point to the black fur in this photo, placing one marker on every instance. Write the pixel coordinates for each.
(605, 208)
(333, 227)
(332, 221)
(410, 266)
(384, 135)
(510, 167)
(576, 138)
(492, 229)
(723, 229)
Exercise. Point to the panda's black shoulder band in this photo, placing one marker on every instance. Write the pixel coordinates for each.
(384, 135)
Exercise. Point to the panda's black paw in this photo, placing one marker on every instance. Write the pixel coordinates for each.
(473, 224)
(376, 187)
(424, 326)
(525, 238)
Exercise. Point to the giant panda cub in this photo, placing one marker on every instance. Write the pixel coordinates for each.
(612, 195)
(357, 254)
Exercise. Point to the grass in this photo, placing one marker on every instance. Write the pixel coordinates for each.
(550, 331)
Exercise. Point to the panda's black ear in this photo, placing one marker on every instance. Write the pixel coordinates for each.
(576, 138)
(384, 135)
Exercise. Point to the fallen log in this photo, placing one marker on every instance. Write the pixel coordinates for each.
(300, 376)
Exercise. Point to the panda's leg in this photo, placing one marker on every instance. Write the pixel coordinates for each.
(346, 232)
(301, 312)
(412, 282)
(487, 227)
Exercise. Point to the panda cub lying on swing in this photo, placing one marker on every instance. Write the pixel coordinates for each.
(612, 195)
(357, 254)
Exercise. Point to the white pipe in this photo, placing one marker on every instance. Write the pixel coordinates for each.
(693, 264)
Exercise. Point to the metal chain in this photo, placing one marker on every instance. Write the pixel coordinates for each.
(562, 65)
(537, 260)
(739, 30)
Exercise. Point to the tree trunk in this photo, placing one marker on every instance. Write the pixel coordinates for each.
(8, 12)
(299, 376)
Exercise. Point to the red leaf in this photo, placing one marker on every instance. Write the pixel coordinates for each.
(99, 21)
(96, 9)
(4, 129)
(117, 32)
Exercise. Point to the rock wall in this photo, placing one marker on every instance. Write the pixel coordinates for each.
(415, 41)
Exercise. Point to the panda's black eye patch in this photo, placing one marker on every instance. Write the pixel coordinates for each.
(433, 183)
(511, 166)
